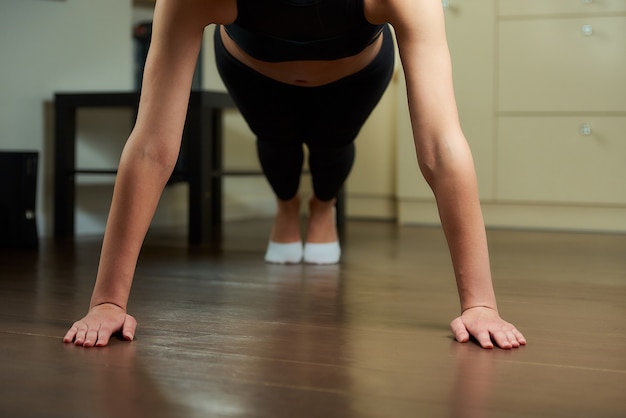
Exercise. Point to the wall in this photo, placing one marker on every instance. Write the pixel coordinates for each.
(73, 45)
(86, 45)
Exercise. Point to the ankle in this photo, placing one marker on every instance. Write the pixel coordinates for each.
(319, 207)
(321, 225)
(288, 207)
(286, 228)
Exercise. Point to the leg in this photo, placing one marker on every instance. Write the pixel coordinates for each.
(268, 108)
(281, 162)
(330, 168)
(342, 108)
(326, 118)
(285, 244)
(322, 244)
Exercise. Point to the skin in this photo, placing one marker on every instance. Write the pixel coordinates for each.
(152, 149)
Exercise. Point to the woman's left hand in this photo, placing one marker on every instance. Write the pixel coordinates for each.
(486, 326)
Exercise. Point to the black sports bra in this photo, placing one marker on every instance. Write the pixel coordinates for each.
(300, 30)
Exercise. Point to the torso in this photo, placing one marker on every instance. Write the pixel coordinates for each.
(309, 73)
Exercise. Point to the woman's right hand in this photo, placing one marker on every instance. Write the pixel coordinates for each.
(100, 323)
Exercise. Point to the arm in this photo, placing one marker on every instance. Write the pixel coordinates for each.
(146, 163)
(447, 165)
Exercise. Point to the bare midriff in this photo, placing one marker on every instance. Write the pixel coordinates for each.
(305, 73)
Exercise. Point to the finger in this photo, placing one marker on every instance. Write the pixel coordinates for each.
(104, 335)
(459, 330)
(484, 339)
(79, 339)
(519, 336)
(502, 340)
(91, 337)
(129, 327)
(512, 339)
(70, 334)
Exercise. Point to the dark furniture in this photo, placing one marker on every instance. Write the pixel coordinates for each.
(199, 164)
(18, 196)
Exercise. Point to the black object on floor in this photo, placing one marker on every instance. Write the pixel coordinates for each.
(18, 190)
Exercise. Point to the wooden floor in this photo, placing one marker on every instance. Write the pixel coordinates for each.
(222, 334)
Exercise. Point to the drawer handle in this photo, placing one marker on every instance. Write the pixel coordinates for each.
(585, 129)
(587, 30)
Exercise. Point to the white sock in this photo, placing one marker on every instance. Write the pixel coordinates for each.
(289, 253)
(326, 253)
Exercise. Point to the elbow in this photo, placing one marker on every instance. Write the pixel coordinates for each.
(434, 158)
(429, 169)
(434, 169)
(161, 158)
(156, 157)
(444, 160)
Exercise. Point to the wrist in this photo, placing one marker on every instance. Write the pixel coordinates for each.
(103, 296)
(484, 306)
(102, 303)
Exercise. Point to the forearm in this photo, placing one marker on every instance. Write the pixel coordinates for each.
(139, 184)
(456, 193)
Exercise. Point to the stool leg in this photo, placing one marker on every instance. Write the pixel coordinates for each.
(340, 211)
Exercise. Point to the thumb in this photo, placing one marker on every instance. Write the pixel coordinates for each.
(459, 330)
(129, 327)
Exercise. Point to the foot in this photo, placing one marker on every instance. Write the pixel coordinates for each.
(290, 253)
(328, 253)
(285, 245)
(322, 244)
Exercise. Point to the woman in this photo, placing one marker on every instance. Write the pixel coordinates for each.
(301, 71)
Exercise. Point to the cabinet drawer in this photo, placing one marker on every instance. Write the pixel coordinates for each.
(574, 64)
(551, 7)
(555, 160)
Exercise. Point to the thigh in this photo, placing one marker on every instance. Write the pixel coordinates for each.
(268, 106)
(339, 110)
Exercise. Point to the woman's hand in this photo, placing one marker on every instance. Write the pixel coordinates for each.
(102, 321)
(486, 326)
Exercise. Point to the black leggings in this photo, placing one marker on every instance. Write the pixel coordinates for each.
(326, 118)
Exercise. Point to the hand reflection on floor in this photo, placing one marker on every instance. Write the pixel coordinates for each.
(473, 381)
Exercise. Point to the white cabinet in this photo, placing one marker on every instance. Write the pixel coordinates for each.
(561, 120)
(577, 160)
(543, 8)
(562, 64)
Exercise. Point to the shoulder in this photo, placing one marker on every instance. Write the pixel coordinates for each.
(412, 20)
(221, 12)
(202, 12)
(404, 14)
